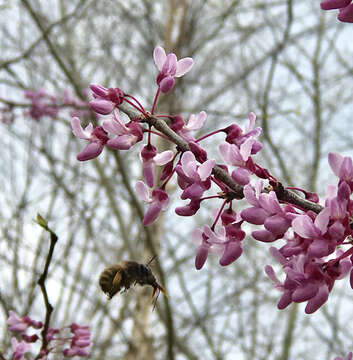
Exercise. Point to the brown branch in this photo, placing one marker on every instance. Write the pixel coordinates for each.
(27, 53)
(41, 282)
(53, 50)
(283, 195)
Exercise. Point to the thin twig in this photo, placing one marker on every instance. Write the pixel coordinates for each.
(41, 282)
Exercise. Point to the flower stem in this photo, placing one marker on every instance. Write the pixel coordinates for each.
(207, 135)
(218, 215)
(155, 100)
(136, 107)
(137, 102)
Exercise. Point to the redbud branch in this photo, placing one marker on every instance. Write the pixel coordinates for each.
(41, 282)
(283, 195)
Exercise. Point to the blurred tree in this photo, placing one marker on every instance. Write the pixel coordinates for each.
(284, 60)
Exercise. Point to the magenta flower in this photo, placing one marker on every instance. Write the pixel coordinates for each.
(15, 323)
(345, 7)
(342, 167)
(235, 134)
(158, 202)
(265, 210)
(307, 279)
(105, 100)
(18, 324)
(169, 67)
(50, 333)
(80, 341)
(347, 357)
(189, 209)
(97, 139)
(19, 349)
(127, 135)
(194, 179)
(225, 242)
(150, 158)
(315, 230)
(43, 104)
(195, 123)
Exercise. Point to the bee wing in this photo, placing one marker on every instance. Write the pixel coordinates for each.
(117, 279)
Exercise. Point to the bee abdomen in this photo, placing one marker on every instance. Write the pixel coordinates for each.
(107, 280)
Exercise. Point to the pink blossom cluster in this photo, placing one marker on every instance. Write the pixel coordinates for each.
(347, 357)
(314, 254)
(345, 9)
(79, 341)
(45, 104)
(7, 115)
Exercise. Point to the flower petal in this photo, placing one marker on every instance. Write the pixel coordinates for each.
(188, 164)
(196, 121)
(152, 213)
(334, 4)
(91, 151)
(78, 130)
(142, 191)
(205, 169)
(346, 14)
(115, 125)
(159, 57)
(163, 157)
(183, 66)
(304, 227)
(201, 255)
(335, 161)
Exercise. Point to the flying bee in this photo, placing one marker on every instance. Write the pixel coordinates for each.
(120, 277)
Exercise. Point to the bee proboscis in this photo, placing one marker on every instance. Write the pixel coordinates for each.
(120, 277)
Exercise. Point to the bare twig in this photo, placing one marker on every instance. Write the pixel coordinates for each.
(41, 282)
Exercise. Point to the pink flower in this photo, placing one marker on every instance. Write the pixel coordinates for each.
(347, 357)
(334, 4)
(235, 134)
(225, 242)
(169, 67)
(190, 209)
(266, 210)
(345, 7)
(150, 158)
(305, 227)
(80, 341)
(127, 135)
(17, 324)
(158, 202)
(97, 139)
(50, 333)
(19, 349)
(105, 99)
(43, 104)
(342, 167)
(307, 279)
(194, 179)
(195, 123)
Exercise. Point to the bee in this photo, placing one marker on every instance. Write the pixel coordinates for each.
(120, 277)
